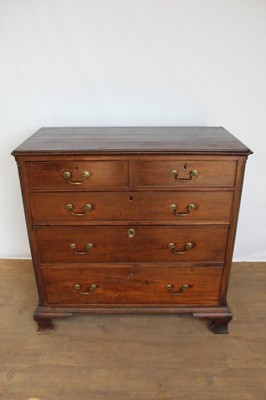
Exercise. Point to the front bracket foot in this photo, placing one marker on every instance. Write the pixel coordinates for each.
(219, 320)
(45, 326)
(220, 325)
(44, 319)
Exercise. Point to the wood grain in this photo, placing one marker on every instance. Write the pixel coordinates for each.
(113, 357)
(112, 244)
(158, 173)
(102, 174)
(133, 285)
(134, 206)
(132, 139)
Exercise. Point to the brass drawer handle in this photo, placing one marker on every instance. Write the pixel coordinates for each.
(67, 175)
(183, 288)
(92, 287)
(73, 247)
(188, 246)
(190, 208)
(70, 208)
(192, 174)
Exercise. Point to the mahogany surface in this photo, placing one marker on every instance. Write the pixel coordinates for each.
(131, 206)
(103, 173)
(138, 243)
(112, 244)
(137, 139)
(128, 285)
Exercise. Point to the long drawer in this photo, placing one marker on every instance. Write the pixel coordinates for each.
(111, 206)
(138, 285)
(77, 174)
(85, 244)
(182, 173)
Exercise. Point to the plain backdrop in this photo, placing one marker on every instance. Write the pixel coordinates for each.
(133, 62)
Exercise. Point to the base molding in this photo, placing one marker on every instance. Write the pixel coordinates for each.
(220, 316)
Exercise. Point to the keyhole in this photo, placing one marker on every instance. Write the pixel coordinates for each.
(130, 198)
(185, 166)
(131, 233)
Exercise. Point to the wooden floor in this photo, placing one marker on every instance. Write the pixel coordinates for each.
(132, 357)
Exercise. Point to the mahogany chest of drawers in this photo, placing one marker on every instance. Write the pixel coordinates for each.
(132, 220)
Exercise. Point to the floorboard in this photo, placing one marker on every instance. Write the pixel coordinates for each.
(132, 357)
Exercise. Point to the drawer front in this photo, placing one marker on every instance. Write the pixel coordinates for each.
(77, 174)
(129, 285)
(181, 173)
(85, 244)
(96, 206)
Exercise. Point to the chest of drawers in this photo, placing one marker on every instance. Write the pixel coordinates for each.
(132, 220)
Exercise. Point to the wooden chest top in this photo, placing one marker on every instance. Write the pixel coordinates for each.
(100, 140)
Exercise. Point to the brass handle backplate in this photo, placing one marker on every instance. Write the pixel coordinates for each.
(92, 287)
(86, 207)
(73, 247)
(192, 174)
(190, 208)
(178, 292)
(67, 175)
(188, 246)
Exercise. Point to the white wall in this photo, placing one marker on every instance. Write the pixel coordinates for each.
(133, 62)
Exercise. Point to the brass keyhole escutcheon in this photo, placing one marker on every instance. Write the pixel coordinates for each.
(131, 233)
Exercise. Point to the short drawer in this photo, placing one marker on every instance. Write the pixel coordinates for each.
(133, 285)
(181, 173)
(85, 244)
(117, 206)
(77, 174)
